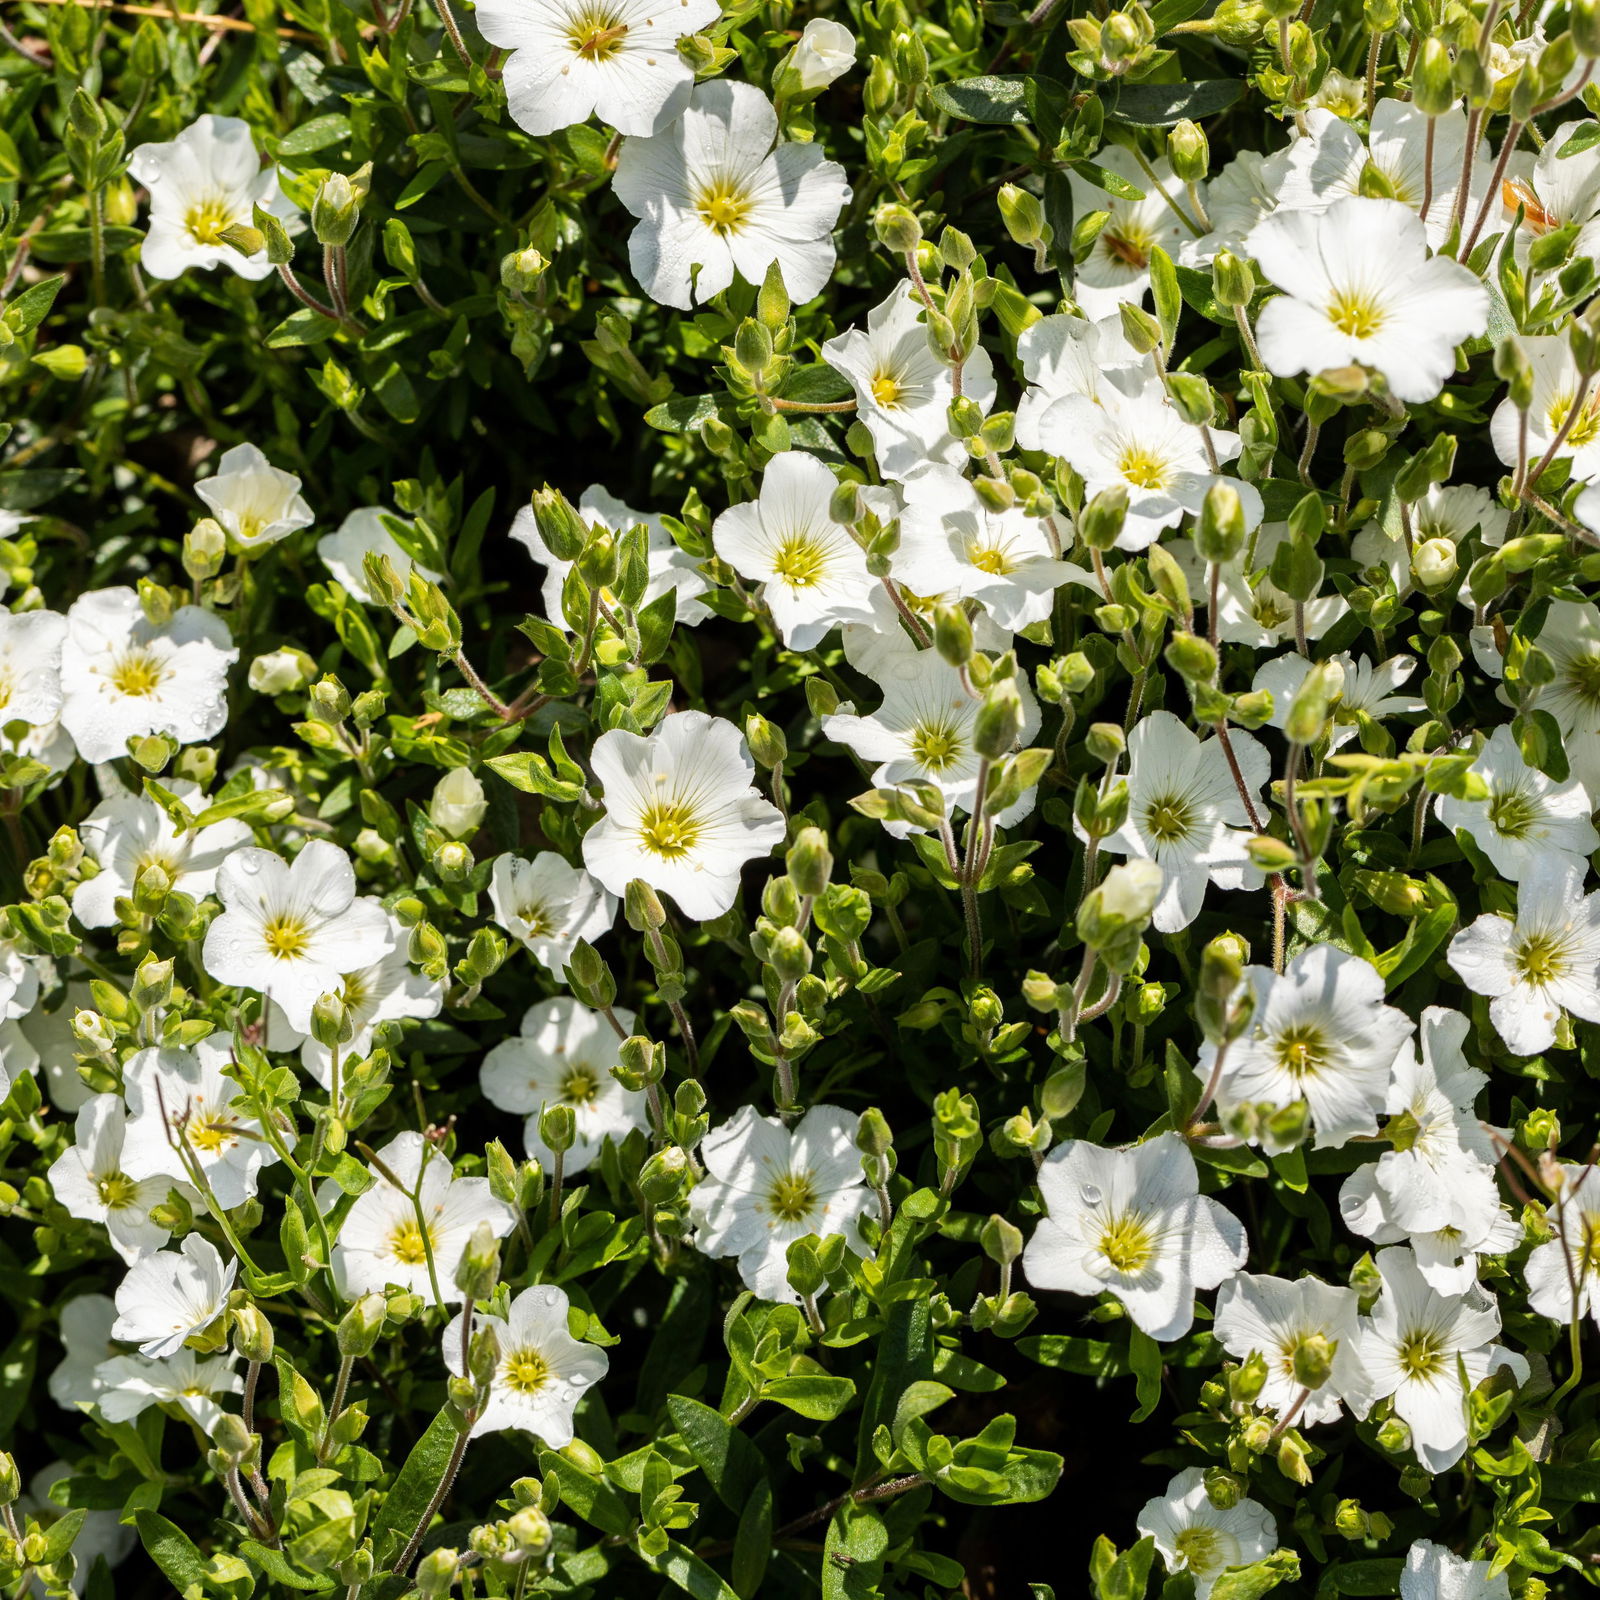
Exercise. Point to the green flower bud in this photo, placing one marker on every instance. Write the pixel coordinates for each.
(1246, 1382)
(360, 1327)
(1188, 151)
(752, 347)
(1106, 742)
(1100, 522)
(1194, 659)
(1223, 1489)
(1232, 280)
(897, 228)
(1023, 215)
(10, 1479)
(1139, 328)
(1002, 1241)
(436, 1573)
(643, 906)
(873, 1137)
(479, 1268)
(560, 527)
(336, 209)
(998, 725)
(1313, 1360)
(809, 862)
(558, 1127)
(205, 547)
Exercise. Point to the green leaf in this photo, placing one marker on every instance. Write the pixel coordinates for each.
(32, 306)
(683, 413)
(1586, 137)
(984, 99)
(1164, 290)
(592, 1498)
(171, 1549)
(1160, 105)
(414, 1486)
(304, 326)
(276, 1566)
(852, 1561)
(1250, 1583)
(1092, 1357)
(688, 1572)
(731, 1463)
(1144, 1356)
(1113, 183)
(1380, 1576)
(317, 134)
(818, 1397)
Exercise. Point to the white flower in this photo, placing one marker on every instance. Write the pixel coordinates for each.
(126, 834)
(1367, 692)
(813, 572)
(1197, 1537)
(1556, 384)
(203, 182)
(181, 1098)
(549, 905)
(542, 1371)
(83, 1325)
(30, 665)
(130, 1385)
(1133, 1224)
(256, 503)
(1237, 198)
(1453, 511)
(1141, 444)
(90, 1180)
(292, 930)
(1320, 1033)
(1416, 1344)
(825, 51)
(123, 676)
(903, 390)
(1434, 1573)
(767, 1185)
(1545, 962)
(50, 1045)
(1276, 1318)
(1117, 267)
(169, 1296)
(670, 567)
(1526, 816)
(564, 1056)
(382, 1241)
(1185, 812)
(680, 812)
(575, 59)
(711, 192)
(458, 804)
(1554, 190)
(101, 1536)
(1063, 356)
(1570, 636)
(1362, 290)
(922, 730)
(361, 534)
(1563, 1273)
(389, 990)
(954, 546)
(1251, 608)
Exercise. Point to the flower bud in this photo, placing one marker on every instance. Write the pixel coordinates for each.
(281, 671)
(1313, 1360)
(1100, 522)
(458, 805)
(530, 1529)
(231, 1438)
(252, 1334)
(1434, 563)
(479, 1268)
(436, 1573)
(336, 209)
(809, 862)
(1022, 213)
(1247, 1381)
(205, 546)
(1194, 659)
(10, 1479)
(1220, 530)
(360, 1326)
(952, 634)
(1188, 151)
(897, 228)
(1106, 742)
(558, 1127)
(560, 527)
(1223, 1489)
(1232, 280)
(998, 724)
(1001, 1240)
(766, 741)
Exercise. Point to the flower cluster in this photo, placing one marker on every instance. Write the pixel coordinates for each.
(986, 820)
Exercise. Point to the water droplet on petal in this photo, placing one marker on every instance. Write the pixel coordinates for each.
(1091, 1194)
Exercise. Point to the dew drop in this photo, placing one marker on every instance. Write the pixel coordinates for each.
(1091, 1194)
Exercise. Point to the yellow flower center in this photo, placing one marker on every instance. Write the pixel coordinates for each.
(597, 36)
(526, 1371)
(1586, 425)
(1583, 676)
(989, 558)
(1142, 468)
(1539, 959)
(1168, 818)
(1129, 245)
(286, 936)
(205, 222)
(579, 1087)
(792, 1197)
(539, 921)
(1199, 1549)
(138, 673)
(1421, 1354)
(669, 830)
(1589, 1244)
(117, 1190)
(1127, 1243)
(885, 390)
(213, 1132)
(1355, 313)
(936, 746)
(1302, 1051)
(1511, 813)
(407, 1244)
(800, 561)
(722, 207)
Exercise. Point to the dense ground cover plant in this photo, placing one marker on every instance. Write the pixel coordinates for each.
(799, 802)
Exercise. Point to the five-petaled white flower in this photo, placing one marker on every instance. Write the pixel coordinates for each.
(1366, 692)
(124, 676)
(1185, 812)
(1417, 1344)
(172, 1295)
(413, 1225)
(541, 1372)
(1133, 1224)
(1563, 1273)
(563, 1056)
(1197, 1536)
(1304, 1330)
(130, 1385)
(903, 389)
(1360, 289)
(1117, 265)
(575, 59)
(812, 571)
(549, 905)
(680, 812)
(292, 929)
(254, 502)
(1433, 1573)
(767, 1185)
(203, 182)
(1320, 1033)
(127, 834)
(30, 665)
(1545, 962)
(712, 193)
(90, 1179)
